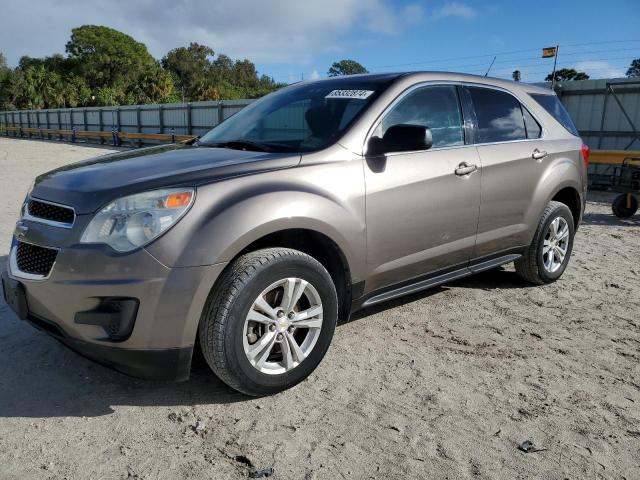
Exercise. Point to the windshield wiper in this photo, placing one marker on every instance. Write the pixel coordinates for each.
(239, 144)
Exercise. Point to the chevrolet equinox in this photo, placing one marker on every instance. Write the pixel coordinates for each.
(315, 201)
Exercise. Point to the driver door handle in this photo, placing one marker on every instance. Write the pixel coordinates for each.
(465, 169)
(539, 154)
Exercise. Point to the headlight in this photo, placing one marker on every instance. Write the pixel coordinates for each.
(133, 221)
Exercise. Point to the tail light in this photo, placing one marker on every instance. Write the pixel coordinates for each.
(585, 156)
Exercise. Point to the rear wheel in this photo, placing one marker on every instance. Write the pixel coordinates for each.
(548, 255)
(625, 205)
(269, 321)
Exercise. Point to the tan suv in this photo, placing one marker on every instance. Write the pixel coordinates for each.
(315, 201)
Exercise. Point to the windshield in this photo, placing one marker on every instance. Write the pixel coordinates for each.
(300, 118)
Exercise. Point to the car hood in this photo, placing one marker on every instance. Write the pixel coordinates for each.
(91, 184)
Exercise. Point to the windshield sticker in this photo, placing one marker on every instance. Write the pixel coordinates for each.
(359, 94)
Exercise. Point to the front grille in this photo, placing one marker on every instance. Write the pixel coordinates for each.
(34, 259)
(48, 211)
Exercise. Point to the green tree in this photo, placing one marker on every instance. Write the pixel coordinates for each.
(634, 69)
(4, 67)
(107, 58)
(106, 96)
(346, 67)
(154, 85)
(191, 69)
(566, 74)
(76, 92)
(106, 67)
(36, 87)
(5, 73)
(204, 76)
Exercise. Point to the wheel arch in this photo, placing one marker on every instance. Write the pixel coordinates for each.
(562, 182)
(570, 196)
(319, 246)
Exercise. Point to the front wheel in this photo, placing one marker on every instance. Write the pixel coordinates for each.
(269, 320)
(548, 255)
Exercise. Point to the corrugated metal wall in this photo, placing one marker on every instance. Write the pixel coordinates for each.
(194, 118)
(584, 100)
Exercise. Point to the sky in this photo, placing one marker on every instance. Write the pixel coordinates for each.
(292, 40)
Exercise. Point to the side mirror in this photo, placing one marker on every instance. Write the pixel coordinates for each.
(401, 138)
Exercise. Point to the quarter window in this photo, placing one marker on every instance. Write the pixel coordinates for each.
(499, 116)
(436, 107)
(533, 127)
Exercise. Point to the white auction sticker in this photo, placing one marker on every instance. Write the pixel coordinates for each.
(359, 94)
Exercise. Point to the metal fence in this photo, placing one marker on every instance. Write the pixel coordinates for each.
(606, 112)
(195, 118)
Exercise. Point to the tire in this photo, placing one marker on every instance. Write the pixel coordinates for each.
(226, 332)
(620, 209)
(532, 266)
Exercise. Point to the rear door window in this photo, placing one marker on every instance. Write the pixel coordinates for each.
(553, 105)
(498, 114)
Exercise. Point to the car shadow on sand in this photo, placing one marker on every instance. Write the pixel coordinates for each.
(39, 377)
(497, 278)
(42, 378)
(608, 219)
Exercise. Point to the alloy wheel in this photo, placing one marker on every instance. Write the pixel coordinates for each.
(556, 244)
(282, 326)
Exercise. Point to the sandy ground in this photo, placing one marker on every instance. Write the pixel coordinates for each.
(444, 384)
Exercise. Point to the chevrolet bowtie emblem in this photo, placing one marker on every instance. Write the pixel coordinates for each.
(21, 230)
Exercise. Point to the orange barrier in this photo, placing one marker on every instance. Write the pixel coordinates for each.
(153, 136)
(611, 157)
(116, 136)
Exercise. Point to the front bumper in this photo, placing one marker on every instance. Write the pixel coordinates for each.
(170, 303)
(173, 364)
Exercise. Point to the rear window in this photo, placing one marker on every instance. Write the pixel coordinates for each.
(553, 105)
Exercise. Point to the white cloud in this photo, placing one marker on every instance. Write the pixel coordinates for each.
(598, 69)
(454, 9)
(382, 18)
(412, 14)
(276, 31)
(315, 75)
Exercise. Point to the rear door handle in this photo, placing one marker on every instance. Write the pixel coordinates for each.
(465, 169)
(538, 154)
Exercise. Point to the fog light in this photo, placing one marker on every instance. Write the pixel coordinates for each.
(115, 315)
